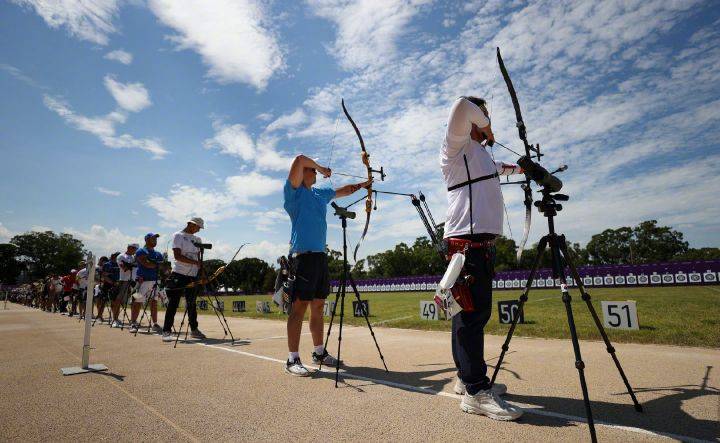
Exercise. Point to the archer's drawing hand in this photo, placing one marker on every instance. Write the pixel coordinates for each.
(326, 172)
(366, 184)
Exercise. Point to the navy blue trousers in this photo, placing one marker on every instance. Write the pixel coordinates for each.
(468, 328)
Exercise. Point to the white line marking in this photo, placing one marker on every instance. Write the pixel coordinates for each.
(382, 322)
(527, 408)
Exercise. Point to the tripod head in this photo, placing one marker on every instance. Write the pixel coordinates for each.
(549, 206)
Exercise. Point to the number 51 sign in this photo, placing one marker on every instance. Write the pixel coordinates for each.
(620, 314)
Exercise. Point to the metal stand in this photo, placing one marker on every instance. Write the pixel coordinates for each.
(86, 366)
(216, 308)
(560, 256)
(340, 298)
(148, 300)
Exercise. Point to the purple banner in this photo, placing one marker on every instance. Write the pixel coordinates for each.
(654, 274)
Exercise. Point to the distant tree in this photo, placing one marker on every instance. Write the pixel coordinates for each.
(10, 266)
(612, 246)
(693, 254)
(247, 274)
(505, 254)
(269, 280)
(653, 243)
(48, 252)
(212, 265)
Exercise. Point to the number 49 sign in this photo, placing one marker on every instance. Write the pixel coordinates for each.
(620, 314)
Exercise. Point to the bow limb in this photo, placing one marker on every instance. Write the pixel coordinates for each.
(529, 150)
(365, 158)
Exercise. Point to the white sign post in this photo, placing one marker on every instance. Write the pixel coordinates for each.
(86, 366)
(328, 308)
(620, 315)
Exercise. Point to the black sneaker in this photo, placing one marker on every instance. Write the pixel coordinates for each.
(325, 359)
(195, 333)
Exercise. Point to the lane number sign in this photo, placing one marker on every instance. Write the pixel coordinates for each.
(507, 310)
(620, 314)
(429, 310)
(359, 307)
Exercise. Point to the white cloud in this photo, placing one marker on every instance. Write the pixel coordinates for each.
(231, 36)
(5, 234)
(102, 240)
(106, 191)
(185, 201)
(234, 140)
(265, 250)
(245, 188)
(231, 140)
(104, 128)
(132, 97)
(119, 56)
(288, 121)
(90, 20)
(367, 30)
(18, 74)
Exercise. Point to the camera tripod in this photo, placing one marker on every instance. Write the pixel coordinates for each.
(203, 292)
(560, 257)
(343, 214)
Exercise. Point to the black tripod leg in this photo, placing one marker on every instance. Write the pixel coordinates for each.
(209, 299)
(182, 322)
(579, 364)
(125, 314)
(342, 316)
(365, 314)
(224, 319)
(144, 313)
(588, 301)
(332, 318)
(523, 298)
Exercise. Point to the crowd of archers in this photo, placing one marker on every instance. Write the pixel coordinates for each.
(137, 279)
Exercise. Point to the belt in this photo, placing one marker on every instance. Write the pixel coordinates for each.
(297, 254)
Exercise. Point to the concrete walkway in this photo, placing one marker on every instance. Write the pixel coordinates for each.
(216, 390)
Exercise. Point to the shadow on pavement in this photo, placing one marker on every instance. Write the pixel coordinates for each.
(662, 414)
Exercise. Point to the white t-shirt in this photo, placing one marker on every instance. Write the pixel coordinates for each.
(487, 199)
(82, 278)
(184, 241)
(126, 275)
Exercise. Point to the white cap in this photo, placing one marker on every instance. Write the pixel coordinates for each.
(133, 245)
(197, 221)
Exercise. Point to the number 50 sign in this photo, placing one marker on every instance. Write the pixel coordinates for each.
(620, 314)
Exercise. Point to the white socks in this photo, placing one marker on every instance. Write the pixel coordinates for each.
(319, 350)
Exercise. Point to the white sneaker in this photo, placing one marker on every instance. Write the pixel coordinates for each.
(491, 405)
(296, 368)
(115, 324)
(167, 337)
(134, 328)
(157, 329)
(497, 388)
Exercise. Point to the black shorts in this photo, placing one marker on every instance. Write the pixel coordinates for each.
(312, 278)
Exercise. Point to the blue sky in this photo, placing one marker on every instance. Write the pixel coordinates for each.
(123, 117)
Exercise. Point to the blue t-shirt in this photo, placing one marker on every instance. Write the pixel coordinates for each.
(112, 269)
(148, 274)
(307, 209)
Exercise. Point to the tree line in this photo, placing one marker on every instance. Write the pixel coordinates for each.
(34, 255)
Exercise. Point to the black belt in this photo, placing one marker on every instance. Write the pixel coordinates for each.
(470, 182)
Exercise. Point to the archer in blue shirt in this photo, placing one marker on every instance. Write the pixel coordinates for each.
(307, 207)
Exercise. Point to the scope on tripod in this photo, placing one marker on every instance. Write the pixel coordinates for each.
(540, 175)
(342, 212)
(202, 245)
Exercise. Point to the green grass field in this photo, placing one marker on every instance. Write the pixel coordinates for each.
(687, 316)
